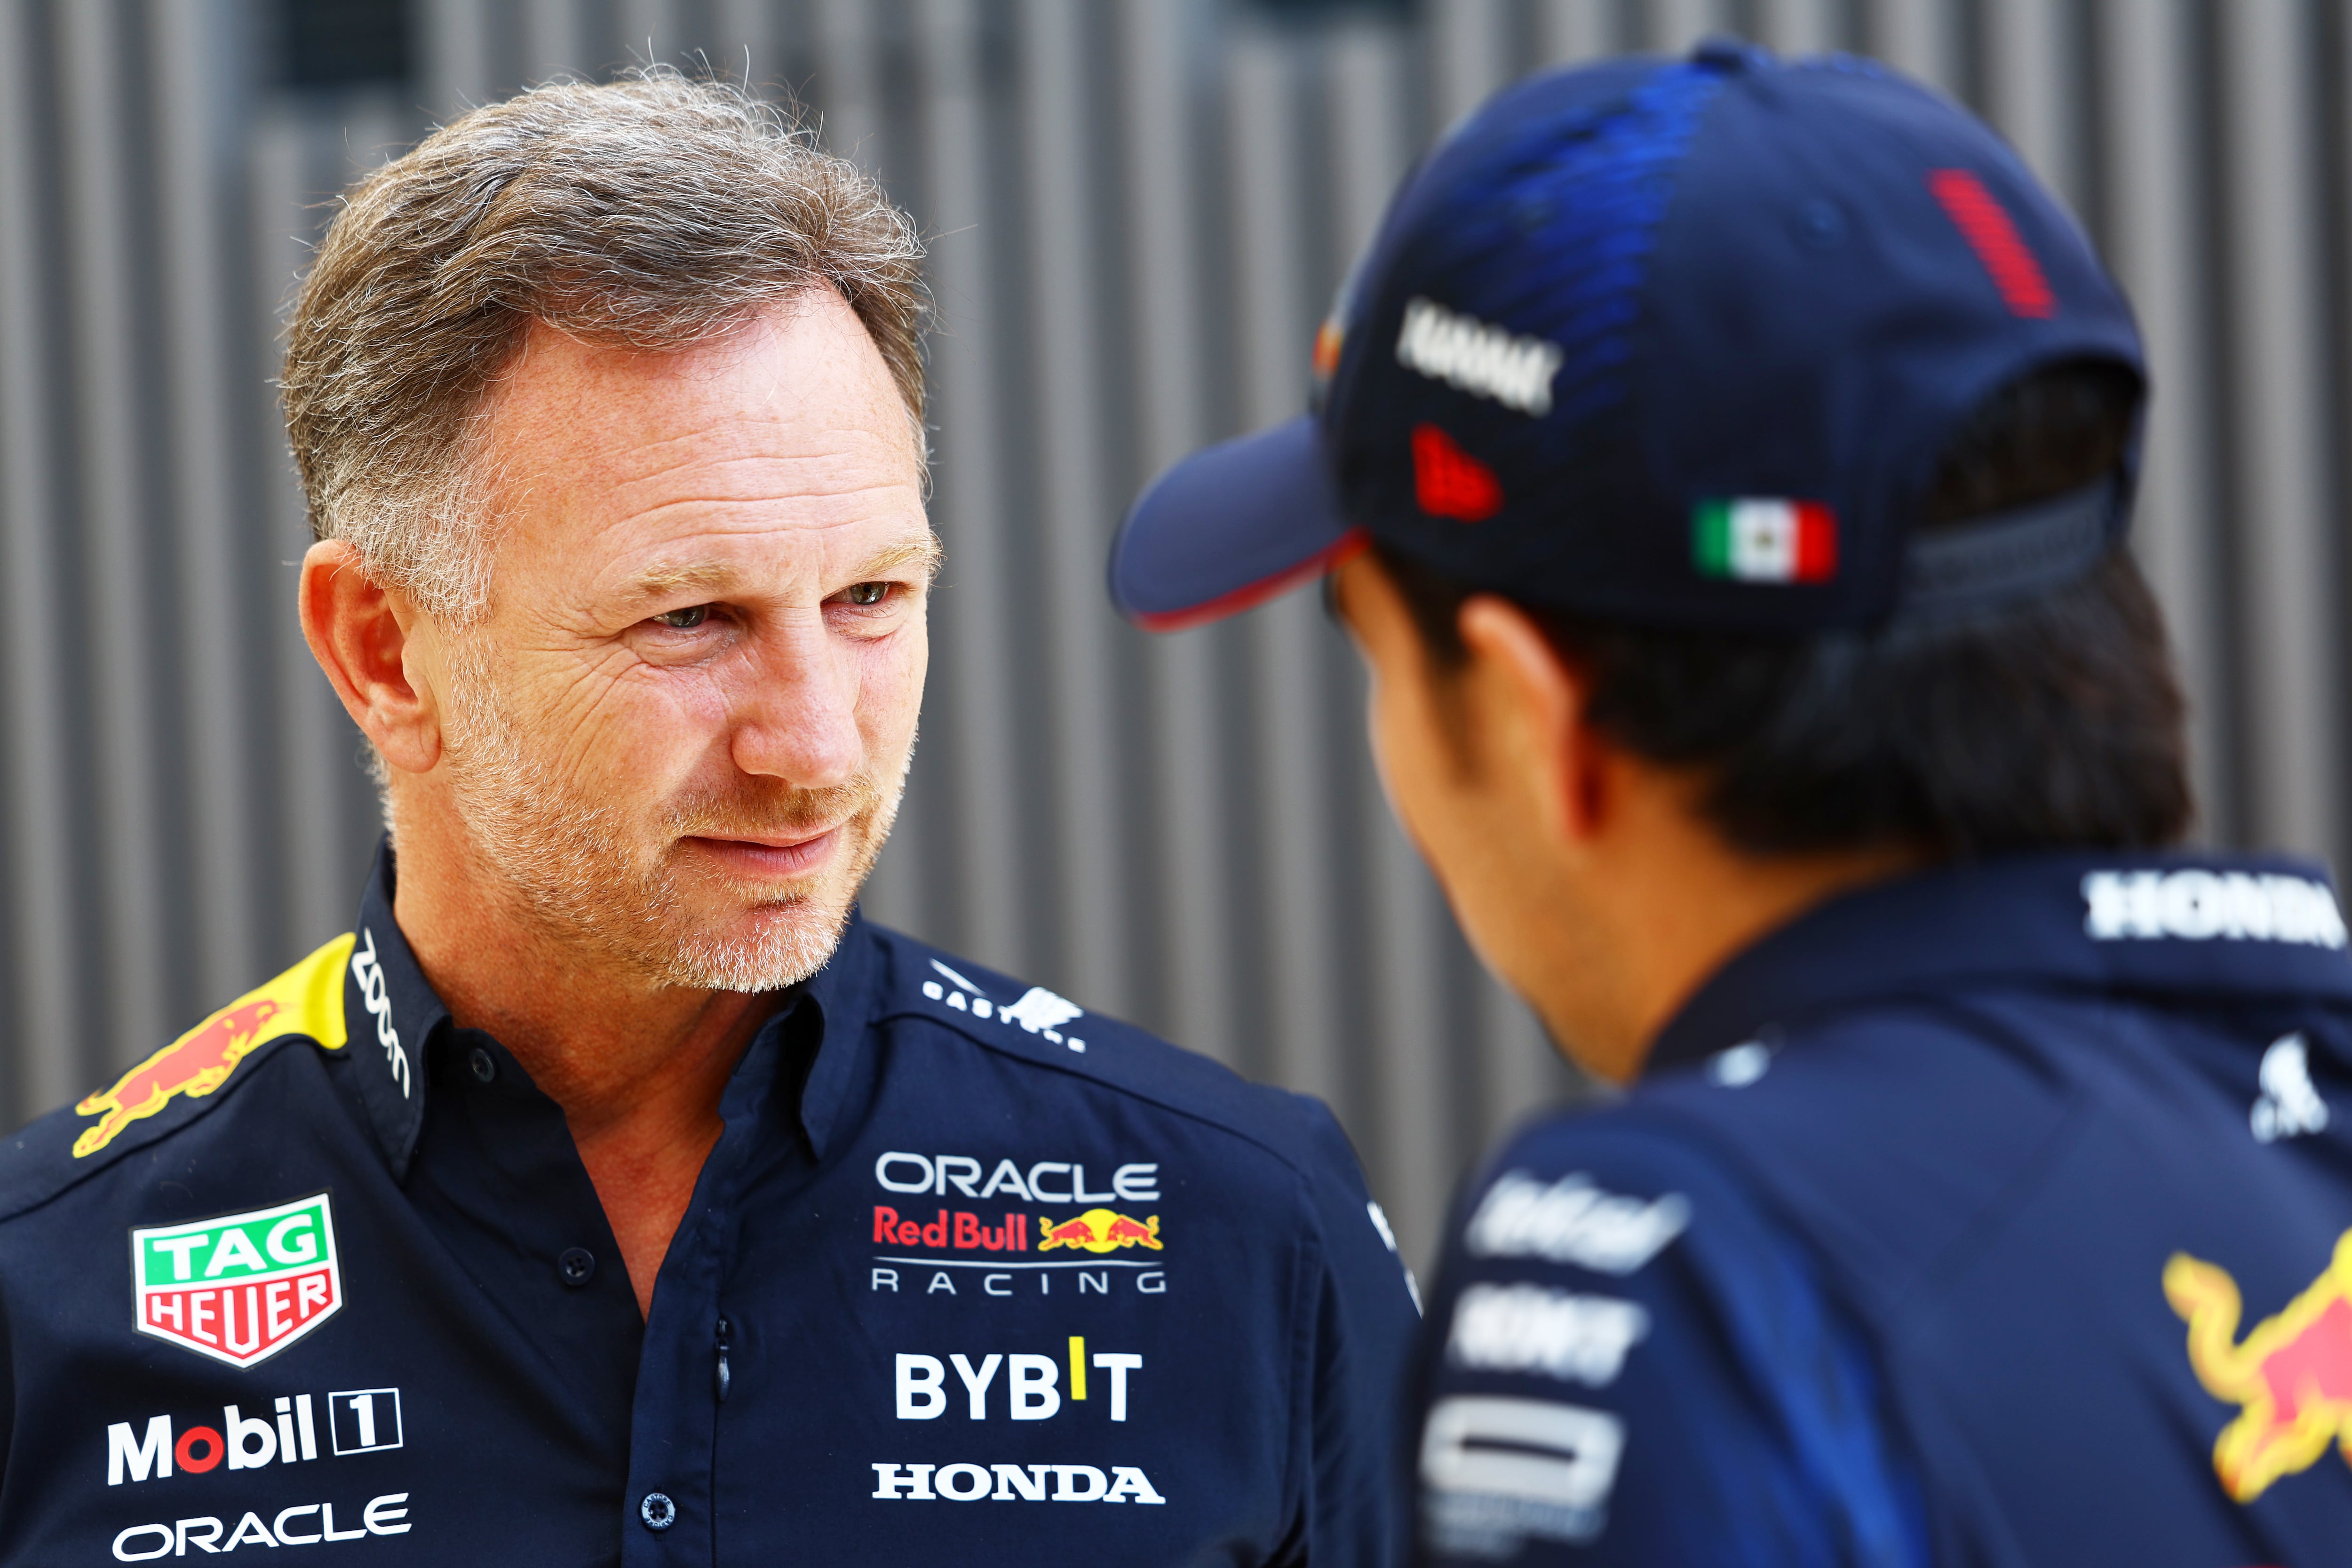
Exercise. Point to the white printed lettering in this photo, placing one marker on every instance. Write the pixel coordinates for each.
(1067, 1483)
(1527, 1328)
(249, 1532)
(242, 1429)
(922, 1387)
(285, 1536)
(1038, 1192)
(123, 1553)
(1118, 1363)
(969, 1482)
(1006, 1178)
(1573, 1221)
(1031, 1386)
(369, 972)
(2197, 905)
(1478, 358)
(149, 1456)
(380, 1514)
(955, 1490)
(1506, 1468)
(1127, 1481)
(976, 1382)
(1025, 1482)
(921, 1184)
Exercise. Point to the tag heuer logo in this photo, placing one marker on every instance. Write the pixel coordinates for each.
(240, 1287)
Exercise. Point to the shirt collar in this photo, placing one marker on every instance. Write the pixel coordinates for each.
(2157, 924)
(847, 993)
(391, 1011)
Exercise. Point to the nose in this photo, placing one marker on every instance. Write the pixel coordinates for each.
(795, 716)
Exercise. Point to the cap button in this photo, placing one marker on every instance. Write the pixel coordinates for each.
(483, 1067)
(1726, 52)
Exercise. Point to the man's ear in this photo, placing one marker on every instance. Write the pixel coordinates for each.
(1534, 704)
(366, 638)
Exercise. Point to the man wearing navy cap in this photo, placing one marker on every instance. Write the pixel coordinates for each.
(1724, 466)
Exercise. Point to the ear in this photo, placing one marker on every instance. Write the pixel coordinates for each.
(367, 639)
(1534, 704)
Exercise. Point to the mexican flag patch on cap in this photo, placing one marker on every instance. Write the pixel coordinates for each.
(1756, 540)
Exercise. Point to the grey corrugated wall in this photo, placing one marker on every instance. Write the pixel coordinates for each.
(1138, 209)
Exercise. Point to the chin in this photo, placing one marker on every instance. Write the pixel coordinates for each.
(764, 948)
(762, 935)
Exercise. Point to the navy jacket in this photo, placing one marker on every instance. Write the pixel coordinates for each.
(970, 1276)
(1999, 1215)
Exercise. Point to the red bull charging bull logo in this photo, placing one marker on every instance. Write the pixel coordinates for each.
(308, 999)
(2293, 1374)
(1101, 1231)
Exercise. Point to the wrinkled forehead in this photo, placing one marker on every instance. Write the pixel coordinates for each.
(787, 434)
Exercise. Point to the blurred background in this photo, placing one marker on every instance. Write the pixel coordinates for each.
(1136, 212)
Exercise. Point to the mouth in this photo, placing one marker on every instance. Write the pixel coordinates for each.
(771, 855)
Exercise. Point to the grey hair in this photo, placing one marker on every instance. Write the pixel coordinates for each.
(653, 213)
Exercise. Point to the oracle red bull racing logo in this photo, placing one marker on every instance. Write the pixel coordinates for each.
(1100, 1230)
(2292, 1374)
(305, 1000)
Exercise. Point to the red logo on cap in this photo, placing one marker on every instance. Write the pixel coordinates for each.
(1449, 482)
(1986, 225)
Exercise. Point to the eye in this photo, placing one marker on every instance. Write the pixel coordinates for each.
(687, 619)
(866, 595)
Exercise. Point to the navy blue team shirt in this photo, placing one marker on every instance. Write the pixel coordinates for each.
(1997, 1216)
(970, 1276)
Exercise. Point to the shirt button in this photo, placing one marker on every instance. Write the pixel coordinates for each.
(484, 1069)
(578, 1265)
(657, 1510)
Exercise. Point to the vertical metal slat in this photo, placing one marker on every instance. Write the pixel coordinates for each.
(218, 581)
(2294, 745)
(45, 1064)
(2160, 242)
(972, 665)
(1066, 314)
(117, 568)
(1169, 329)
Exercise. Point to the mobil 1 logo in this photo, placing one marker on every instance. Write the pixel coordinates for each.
(366, 1421)
(283, 1431)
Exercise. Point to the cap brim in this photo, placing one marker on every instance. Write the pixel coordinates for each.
(1229, 527)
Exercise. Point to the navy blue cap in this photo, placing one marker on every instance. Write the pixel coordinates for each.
(1669, 343)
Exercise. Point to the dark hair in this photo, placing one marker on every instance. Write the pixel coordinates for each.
(2051, 722)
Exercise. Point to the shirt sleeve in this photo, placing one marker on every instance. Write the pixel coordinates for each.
(1365, 1317)
(1628, 1362)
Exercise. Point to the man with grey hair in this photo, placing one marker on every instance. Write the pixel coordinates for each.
(614, 1192)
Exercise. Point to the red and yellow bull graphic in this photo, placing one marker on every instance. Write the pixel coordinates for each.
(2293, 1374)
(1100, 1230)
(308, 999)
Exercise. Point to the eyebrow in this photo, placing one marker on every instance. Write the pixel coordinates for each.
(923, 553)
(718, 576)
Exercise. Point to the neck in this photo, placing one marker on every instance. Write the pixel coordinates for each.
(639, 1070)
(1681, 904)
